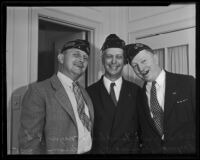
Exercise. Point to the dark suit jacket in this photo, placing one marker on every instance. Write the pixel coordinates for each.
(115, 127)
(48, 124)
(179, 118)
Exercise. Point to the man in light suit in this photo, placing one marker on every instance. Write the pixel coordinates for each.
(167, 110)
(57, 113)
(115, 122)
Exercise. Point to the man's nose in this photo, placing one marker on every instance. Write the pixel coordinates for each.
(81, 59)
(114, 59)
(140, 67)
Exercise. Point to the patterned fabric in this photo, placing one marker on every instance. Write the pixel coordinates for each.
(79, 44)
(112, 93)
(131, 50)
(156, 109)
(81, 107)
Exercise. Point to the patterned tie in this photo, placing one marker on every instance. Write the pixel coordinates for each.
(81, 107)
(156, 109)
(112, 93)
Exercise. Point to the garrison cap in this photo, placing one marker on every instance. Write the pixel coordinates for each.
(133, 49)
(78, 44)
(113, 41)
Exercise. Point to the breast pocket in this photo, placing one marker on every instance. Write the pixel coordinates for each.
(183, 109)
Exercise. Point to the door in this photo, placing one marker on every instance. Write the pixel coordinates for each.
(52, 36)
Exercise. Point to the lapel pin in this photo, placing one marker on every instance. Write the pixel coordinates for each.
(173, 93)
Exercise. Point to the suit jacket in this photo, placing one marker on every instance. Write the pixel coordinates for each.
(115, 127)
(179, 118)
(48, 124)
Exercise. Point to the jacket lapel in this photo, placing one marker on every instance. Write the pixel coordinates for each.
(106, 99)
(170, 94)
(62, 97)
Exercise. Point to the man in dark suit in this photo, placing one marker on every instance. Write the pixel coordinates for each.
(114, 100)
(167, 110)
(57, 113)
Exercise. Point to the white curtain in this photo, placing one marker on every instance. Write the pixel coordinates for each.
(160, 56)
(178, 59)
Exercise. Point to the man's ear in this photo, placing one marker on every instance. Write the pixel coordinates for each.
(60, 58)
(102, 57)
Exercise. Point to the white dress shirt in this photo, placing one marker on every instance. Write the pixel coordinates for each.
(117, 87)
(160, 90)
(84, 136)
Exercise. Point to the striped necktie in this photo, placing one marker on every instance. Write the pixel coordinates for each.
(81, 107)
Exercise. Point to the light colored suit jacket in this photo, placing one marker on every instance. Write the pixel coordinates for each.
(48, 124)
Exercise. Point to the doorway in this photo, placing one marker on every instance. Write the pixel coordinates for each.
(51, 37)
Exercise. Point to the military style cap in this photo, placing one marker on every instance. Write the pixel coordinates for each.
(113, 41)
(79, 44)
(133, 49)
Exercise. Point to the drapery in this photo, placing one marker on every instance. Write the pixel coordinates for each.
(178, 59)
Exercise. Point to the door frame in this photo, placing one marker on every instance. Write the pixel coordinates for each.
(91, 26)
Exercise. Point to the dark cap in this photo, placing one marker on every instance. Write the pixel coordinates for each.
(113, 41)
(79, 44)
(132, 50)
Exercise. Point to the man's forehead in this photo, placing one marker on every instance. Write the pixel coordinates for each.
(76, 50)
(141, 55)
(113, 51)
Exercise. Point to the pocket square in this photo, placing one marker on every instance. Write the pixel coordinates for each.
(181, 101)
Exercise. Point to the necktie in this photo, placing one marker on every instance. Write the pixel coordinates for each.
(156, 109)
(112, 93)
(81, 107)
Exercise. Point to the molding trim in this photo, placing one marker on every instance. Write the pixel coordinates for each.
(186, 23)
(93, 27)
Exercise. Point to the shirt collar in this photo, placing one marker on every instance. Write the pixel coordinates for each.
(160, 80)
(66, 80)
(107, 82)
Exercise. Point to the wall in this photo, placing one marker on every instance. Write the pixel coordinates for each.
(17, 64)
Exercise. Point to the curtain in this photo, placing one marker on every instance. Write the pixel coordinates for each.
(160, 56)
(178, 59)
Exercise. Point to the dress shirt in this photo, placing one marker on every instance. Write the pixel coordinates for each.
(117, 87)
(84, 136)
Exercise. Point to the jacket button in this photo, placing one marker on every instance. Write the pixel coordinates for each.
(164, 148)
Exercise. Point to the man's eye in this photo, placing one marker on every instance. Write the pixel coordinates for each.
(119, 57)
(143, 61)
(108, 56)
(85, 58)
(134, 66)
(76, 55)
